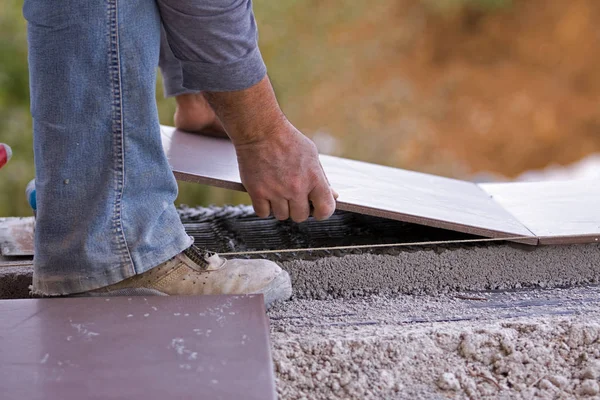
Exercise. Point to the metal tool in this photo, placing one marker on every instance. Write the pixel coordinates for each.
(373, 246)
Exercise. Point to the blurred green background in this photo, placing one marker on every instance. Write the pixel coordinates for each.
(452, 87)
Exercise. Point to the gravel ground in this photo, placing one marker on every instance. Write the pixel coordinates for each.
(515, 345)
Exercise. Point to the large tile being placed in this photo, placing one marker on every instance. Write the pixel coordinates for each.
(556, 212)
(364, 188)
(209, 347)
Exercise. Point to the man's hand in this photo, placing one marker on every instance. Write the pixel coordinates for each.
(279, 166)
(283, 173)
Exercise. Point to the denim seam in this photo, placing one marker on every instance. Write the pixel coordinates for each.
(117, 131)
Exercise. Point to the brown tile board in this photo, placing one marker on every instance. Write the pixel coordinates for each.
(205, 347)
(16, 236)
(556, 212)
(364, 188)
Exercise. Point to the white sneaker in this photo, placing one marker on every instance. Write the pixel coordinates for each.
(195, 272)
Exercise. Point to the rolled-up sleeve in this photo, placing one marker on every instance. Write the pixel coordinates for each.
(216, 42)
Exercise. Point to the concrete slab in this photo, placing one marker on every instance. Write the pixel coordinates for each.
(536, 344)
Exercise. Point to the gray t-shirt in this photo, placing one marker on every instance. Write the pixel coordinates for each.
(215, 42)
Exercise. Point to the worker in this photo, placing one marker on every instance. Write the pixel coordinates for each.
(106, 223)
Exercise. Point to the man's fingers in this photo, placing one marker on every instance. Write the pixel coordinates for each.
(281, 209)
(333, 192)
(262, 208)
(323, 202)
(299, 210)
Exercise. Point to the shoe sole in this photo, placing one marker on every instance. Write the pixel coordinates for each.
(280, 289)
(131, 292)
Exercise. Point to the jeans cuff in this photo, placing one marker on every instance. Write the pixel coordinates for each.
(65, 285)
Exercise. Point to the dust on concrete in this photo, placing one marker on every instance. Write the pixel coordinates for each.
(436, 270)
(538, 344)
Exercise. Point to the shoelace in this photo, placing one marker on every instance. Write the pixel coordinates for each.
(198, 256)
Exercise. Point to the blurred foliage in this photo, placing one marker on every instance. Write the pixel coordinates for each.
(15, 122)
(413, 74)
(483, 5)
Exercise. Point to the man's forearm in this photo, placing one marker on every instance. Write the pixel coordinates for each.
(279, 166)
(248, 115)
(215, 43)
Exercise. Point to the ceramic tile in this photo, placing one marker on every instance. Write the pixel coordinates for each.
(215, 347)
(364, 188)
(556, 212)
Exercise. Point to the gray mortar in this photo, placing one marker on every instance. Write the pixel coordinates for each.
(423, 271)
(14, 282)
(435, 270)
(406, 270)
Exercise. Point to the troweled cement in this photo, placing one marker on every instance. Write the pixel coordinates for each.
(426, 270)
(415, 269)
(438, 270)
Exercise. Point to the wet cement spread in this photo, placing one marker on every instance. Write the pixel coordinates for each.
(403, 270)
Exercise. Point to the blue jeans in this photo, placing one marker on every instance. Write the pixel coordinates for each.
(105, 191)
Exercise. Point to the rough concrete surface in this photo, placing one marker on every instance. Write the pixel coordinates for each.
(442, 269)
(398, 323)
(427, 270)
(15, 281)
(522, 345)
(394, 270)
